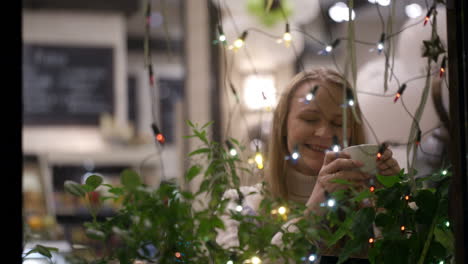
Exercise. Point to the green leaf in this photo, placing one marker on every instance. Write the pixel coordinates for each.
(388, 181)
(117, 191)
(341, 232)
(190, 123)
(203, 186)
(235, 141)
(340, 195)
(351, 246)
(362, 220)
(362, 195)
(95, 234)
(104, 198)
(445, 238)
(199, 151)
(130, 179)
(192, 172)
(341, 181)
(94, 181)
(74, 188)
(268, 6)
(383, 220)
(45, 251)
(389, 197)
(87, 188)
(207, 124)
(427, 203)
(187, 195)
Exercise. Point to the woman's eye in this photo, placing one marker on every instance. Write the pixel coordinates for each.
(310, 120)
(337, 125)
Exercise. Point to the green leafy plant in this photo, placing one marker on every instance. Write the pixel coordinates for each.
(45, 251)
(268, 12)
(171, 225)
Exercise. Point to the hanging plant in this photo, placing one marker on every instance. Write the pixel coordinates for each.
(270, 12)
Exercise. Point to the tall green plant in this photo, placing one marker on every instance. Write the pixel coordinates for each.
(162, 225)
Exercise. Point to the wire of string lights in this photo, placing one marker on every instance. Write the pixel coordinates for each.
(254, 30)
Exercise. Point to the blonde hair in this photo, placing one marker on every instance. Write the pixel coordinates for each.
(278, 148)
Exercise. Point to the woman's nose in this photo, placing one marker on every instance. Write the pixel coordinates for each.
(324, 130)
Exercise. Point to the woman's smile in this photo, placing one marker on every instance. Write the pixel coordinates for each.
(316, 148)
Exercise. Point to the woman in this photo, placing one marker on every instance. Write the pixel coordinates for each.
(306, 120)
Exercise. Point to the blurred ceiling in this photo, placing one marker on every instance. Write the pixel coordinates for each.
(125, 6)
(168, 16)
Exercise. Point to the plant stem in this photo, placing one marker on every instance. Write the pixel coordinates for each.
(90, 209)
(429, 237)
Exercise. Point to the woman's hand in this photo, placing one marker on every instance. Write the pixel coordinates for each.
(340, 166)
(387, 165)
(335, 166)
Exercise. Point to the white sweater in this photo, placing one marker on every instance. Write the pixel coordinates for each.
(299, 188)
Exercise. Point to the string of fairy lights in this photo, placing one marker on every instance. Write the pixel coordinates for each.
(349, 101)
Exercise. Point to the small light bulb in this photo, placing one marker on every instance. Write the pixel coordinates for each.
(295, 156)
(425, 20)
(239, 208)
(442, 71)
(447, 224)
(282, 210)
(380, 46)
(309, 97)
(256, 260)
(328, 48)
(444, 172)
(372, 188)
(350, 102)
(233, 152)
(396, 97)
(287, 36)
(222, 38)
(312, 257)
(259, 160)
(371, 240)
(230, 262)
(407, 197)
(238, 43)
(441, 262)
(336, 148)
(402, 228)
(177, 255)
(331, 202)
(160, 138)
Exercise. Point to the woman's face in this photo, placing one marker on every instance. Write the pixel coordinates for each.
(311, 126)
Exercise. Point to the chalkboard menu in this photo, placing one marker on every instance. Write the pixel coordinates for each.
(67, 84)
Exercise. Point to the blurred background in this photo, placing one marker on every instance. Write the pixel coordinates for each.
(88, 104)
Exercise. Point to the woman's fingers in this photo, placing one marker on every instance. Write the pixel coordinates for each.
(390, 163)
(388, 167)
(351, 175)
(355, 177)
(340, 164)
(331, 156)
(386, 155)
(390, 171)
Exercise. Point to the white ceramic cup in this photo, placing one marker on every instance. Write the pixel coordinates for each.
(365, 153)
